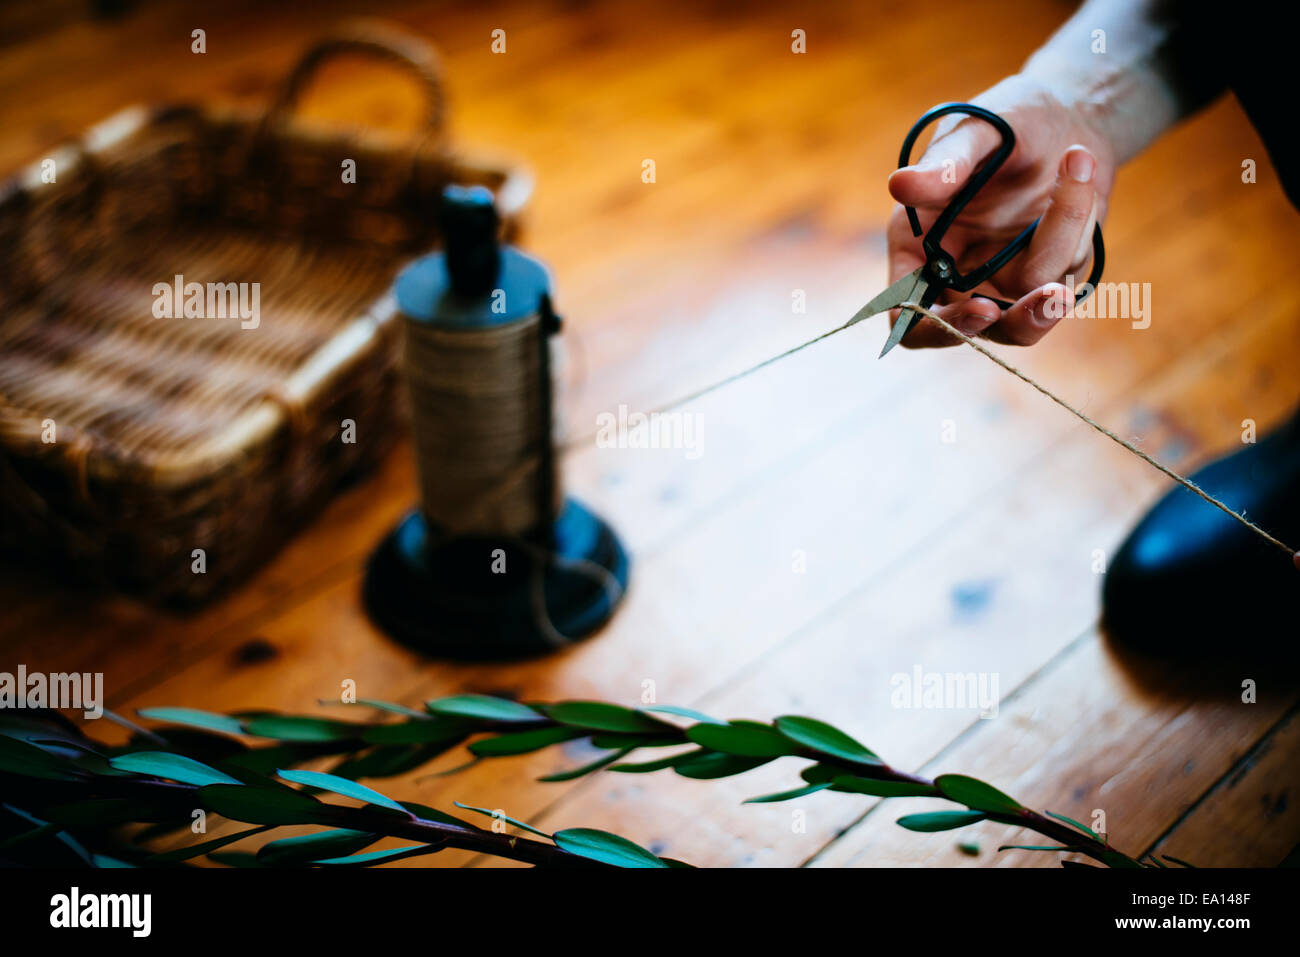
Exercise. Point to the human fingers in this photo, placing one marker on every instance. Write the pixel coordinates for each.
(1032, 316)
(946, 164)
(1063, 238)
(970, 316)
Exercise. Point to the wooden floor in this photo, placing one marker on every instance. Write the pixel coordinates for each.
(975, 555)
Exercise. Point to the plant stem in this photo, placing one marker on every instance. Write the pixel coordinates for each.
(1087, 845)
(465, 837)
(374, 820)
(1048, 827)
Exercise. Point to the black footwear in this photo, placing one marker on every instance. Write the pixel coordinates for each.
(1190, 578)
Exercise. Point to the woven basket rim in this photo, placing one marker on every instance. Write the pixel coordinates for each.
(258, 425)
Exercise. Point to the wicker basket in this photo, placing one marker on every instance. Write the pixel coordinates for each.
(127, 440)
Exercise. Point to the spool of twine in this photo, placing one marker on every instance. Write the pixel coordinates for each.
(482, 424)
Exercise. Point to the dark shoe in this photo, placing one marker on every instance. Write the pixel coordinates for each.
(1189, 577)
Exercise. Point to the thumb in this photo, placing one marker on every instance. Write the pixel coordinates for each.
(946, 164)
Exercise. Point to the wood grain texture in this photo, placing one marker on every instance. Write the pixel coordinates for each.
(1070, 742)
(970, 556)
(1250, 818)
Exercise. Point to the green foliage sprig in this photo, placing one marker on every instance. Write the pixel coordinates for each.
(65, 798)
(68, 789)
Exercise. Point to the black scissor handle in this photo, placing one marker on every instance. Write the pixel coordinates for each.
(932, 243)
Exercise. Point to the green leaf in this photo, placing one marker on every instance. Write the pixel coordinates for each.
(305, 848)
(500, 816)
(817, 773)
(432, 814)
(34, 726)
(295, 727)
(1069, 820)
(246, 776)
(386, 761)
(788, 795)
(194, 850)
(876, 787)
(611, 741)
(447, 772)
(744, 739)
(19, 757)
(84, 757)
(1037, 847)
(105, 812)
(521, 742)
(382, 857)
(1116, 859)
(174, 767)
(385, 706)
(708, 765)
(822, 737)
(71, 842)
(35, 834)
(605, 847)
(338, 785)
(255, 805)
(683, 713)
(588, 768)
(266, 758)
(60, 744)
(484, 707)
(976, 794)
(418, 731)
(884, 789)
(599, 716)
(194, 718)
(941, 820)
(645, 767)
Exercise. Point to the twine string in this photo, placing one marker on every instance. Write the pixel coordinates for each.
(989, 354)
(527, 467)
(476, 413)
(477, 424)
(1181, 480)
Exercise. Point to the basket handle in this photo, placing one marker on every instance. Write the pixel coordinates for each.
(370, 38)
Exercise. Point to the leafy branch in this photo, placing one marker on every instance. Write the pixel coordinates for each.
(200, 760)
(61, 788)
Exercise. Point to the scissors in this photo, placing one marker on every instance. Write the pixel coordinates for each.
(924, 285)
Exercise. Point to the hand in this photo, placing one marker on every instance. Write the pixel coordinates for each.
(1061, 169)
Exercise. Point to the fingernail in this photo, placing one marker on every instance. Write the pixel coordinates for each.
(1052, 307)
(972, 323)
(1079, 164)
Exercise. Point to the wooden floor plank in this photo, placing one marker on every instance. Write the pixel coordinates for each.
(1083, 740)
(1251, 817)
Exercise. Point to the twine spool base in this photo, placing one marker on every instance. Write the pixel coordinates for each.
(444, 600)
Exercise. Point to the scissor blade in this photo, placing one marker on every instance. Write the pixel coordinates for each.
(898, 292)
(907, 318)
